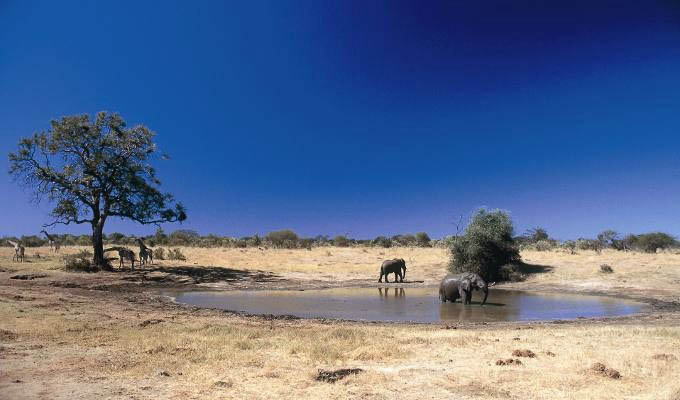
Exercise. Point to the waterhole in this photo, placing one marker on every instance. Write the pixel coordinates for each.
(409, 304)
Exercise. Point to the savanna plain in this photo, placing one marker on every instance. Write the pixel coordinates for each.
(112, 335)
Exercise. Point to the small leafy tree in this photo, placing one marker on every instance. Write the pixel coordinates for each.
(608, 238)
(285, 238)
(423, 239)
(94, 170)
(650, 242)
(341, 241)
(486, 245)
(537, 234)
(382, 241)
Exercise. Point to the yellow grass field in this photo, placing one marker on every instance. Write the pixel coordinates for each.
(109, 335)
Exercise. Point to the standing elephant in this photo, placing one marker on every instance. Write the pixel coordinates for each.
(453, 286)
(395, 266)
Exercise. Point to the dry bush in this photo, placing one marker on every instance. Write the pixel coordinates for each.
(159, 253)
(176, 254)
(606, 269)
(79, 262)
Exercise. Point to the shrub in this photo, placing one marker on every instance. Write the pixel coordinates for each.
(569, 245)
(116, 238)
(159, 253)
(176, 254)
(588, 244)
(606, 269)
(283, 239)
(544, 245)
(183, 237)
(537, 234)
(382, 241)
(423, 239)
(404, 240)
(649, 242)
(32, 241)
(80, 262)
(608, 238)
(341, 241)
(486, 245)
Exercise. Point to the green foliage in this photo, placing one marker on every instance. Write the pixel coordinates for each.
(183, 237)
(341, 241)
(544, 245)
(159, 237)
(423, 239)
(588, 244)
(486, 246)
(382, 241)
(406, 239)
(284, 238)
(650, 242)
(32, 241)
(608, 238)
(537, 234)
(93, 170)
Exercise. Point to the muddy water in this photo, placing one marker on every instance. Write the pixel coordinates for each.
(410, 304)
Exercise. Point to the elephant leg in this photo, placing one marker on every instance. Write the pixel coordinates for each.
(380, 278)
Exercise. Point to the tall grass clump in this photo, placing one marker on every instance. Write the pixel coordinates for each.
(486, 246)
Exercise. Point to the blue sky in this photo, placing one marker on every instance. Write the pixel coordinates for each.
(366, 118)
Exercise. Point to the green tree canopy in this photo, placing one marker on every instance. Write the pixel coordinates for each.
(93, 170)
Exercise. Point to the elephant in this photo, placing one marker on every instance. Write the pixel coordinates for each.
(393, 266)
(453, 286)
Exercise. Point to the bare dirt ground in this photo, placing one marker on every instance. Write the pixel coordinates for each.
(109, 335)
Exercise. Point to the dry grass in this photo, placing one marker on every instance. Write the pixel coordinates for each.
(97, 343)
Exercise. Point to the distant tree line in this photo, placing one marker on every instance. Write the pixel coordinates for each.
(538, 239)
(282, 239)
(534, 239)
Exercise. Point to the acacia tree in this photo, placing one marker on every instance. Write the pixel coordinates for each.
(93, 170)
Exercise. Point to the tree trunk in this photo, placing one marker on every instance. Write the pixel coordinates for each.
(98, 244)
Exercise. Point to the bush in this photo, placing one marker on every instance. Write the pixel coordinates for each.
(569, 245)
(537, 234)
(608, 238)
(606, 269)
(341, 241)
(32, 241)
(159, 253)
(423, 239)
(404, 240)
(544, 245)
(176, 254)
(649, 242)
(382, 241)
(486, 245)
(80, 262)
(283, 239)
(183, 237)
(589, 244)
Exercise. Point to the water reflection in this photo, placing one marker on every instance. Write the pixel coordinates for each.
(421, 304)
(385, 292)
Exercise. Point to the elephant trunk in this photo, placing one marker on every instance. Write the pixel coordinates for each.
(486, 293)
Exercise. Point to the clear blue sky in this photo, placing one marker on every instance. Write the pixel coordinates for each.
(366, 117)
